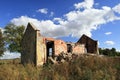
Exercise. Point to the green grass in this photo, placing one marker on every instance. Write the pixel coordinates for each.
(82, 68)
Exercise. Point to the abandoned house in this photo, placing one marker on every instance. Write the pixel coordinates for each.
(36, 48)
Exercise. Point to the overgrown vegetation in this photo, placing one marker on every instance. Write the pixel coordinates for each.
(82, 68)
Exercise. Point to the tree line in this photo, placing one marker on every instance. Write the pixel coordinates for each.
(109, 52)
(11, 36)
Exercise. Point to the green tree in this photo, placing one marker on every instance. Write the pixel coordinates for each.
(109, 52)
(2, 49)
(13, 36)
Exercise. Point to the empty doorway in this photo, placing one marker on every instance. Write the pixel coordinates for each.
(69, 48)
(50, 48)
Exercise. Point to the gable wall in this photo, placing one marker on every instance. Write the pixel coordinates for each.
(28, 54)
(91, 45)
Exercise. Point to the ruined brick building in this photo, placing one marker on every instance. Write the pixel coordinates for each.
(37, 49)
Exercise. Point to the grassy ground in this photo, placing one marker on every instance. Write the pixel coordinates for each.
(82, 68)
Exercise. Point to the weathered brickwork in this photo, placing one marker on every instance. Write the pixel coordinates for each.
(36, 49)
(90, 44)
(79, 49)
(60, 46)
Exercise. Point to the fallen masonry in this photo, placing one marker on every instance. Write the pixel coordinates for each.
(68, 57)
(38, 50)
(62, 57)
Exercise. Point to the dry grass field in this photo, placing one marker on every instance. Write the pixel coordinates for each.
(82, 68)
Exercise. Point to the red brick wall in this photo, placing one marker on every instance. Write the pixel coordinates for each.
(60, 46)
(79, 49)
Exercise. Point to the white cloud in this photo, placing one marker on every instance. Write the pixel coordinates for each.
(45, 26)
(51, 14)
(108, 33)
(96, 4)
(73, 23)
(85, 4)
(117, 8)
(44, 10)
(109, 42)
(9, 55)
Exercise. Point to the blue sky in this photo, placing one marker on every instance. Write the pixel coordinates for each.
(67, 19)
